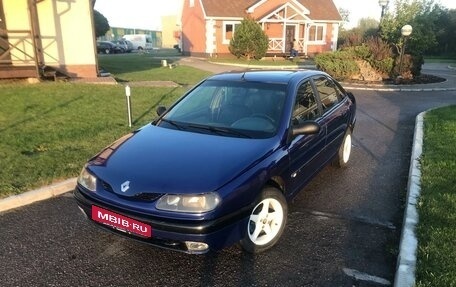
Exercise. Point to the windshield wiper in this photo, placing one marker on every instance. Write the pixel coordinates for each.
(173, 123)
(220, 130)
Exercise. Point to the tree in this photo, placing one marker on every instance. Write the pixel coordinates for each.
(421, 15)
(249, 40)
(367, 27)
(444, 33)
(101, 24)
(345, 14)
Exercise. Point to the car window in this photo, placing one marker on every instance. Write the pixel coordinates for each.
(339, 90)
(201, 100)
(305, 107)
(251, 108)
(328, 93)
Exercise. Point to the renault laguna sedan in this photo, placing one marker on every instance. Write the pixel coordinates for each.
(220, 165)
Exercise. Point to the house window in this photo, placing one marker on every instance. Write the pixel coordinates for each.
(317, 33)
(228, 31)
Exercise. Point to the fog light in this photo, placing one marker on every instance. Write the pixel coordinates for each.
(196, 247)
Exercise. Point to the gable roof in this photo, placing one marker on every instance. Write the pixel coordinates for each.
(319, 9)
(296, 13)
(230, 8)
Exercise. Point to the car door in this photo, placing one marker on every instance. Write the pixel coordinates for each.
(335, 109)
(305, 151)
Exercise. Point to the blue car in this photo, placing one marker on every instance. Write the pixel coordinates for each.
(221, 164)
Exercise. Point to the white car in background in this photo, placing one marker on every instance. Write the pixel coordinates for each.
(139, 41)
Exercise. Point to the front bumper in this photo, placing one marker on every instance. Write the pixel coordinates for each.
(169, 234)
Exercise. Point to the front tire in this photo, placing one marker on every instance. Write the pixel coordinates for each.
(343, 155)
(266, 222)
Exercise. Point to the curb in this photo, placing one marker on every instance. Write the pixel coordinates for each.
(399, 89)
(406, 260)
(32, 196)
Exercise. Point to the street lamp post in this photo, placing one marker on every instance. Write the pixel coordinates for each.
(383, 4)
(406, 31)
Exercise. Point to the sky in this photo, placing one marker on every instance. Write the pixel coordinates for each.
(370, 8)
(146, 14)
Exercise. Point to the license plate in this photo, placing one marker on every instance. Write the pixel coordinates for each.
(120, 222)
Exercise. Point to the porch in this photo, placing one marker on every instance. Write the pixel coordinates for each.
(17, 54)
(280, 46)
(291, 21)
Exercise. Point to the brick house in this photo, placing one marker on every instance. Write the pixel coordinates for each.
(42, 36)
(208, 25)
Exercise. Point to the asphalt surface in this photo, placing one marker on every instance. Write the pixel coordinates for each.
(343, 228)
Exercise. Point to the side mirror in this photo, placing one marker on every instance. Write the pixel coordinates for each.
(161, 110)
(306, 128)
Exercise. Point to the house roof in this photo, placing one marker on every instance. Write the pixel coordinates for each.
(319, 9)
(231, 8)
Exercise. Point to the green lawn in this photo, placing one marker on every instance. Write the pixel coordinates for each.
(48, 130)
(436, 230)
(440, 60)
(147, 67)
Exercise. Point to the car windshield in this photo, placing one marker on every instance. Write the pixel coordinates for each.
(229, 108)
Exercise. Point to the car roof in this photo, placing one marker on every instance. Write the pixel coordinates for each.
(266, 76)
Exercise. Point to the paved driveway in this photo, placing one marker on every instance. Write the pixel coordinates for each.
(343, 228)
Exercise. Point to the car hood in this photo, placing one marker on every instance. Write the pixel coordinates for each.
(162, 160)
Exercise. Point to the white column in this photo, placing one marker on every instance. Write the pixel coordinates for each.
(210, 37)
(335, 35)
(306, 36)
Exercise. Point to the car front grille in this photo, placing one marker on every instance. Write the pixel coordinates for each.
(106, 186)
(142, 196)
(147, 196)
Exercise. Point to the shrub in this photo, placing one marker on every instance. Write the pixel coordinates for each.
(249, 40)
(411, 66)
(380, 49)
(377, 53)
(340, 64)
(418, 62)
(381, 55)
(362, 52)
(384, 66)
(350, 38)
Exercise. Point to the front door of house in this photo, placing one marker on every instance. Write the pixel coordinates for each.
(289, 36)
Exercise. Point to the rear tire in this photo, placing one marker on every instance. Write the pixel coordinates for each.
(343, 155)
(266, 221)
(107, 51)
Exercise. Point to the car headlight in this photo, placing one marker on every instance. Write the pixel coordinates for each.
(192, 203)
(87, 180)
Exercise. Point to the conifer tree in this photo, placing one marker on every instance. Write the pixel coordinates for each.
(249, 40)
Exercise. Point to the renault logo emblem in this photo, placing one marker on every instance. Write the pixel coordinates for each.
(125, 186)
